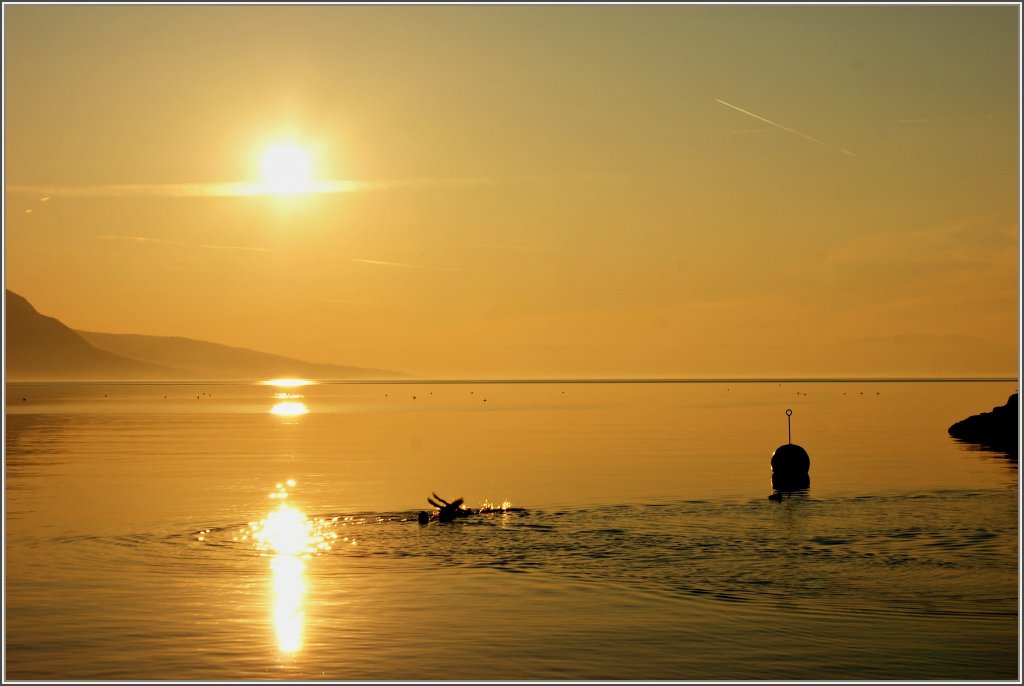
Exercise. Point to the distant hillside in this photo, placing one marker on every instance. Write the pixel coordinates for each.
(204, 360)
(40, 347)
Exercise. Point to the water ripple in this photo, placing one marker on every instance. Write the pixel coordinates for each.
(835, 554)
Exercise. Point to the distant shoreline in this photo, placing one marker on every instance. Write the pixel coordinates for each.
(685, 380)
(426, 382)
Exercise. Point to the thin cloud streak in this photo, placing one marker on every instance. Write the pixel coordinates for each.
(786, 128)
(940, 120)
(160, 241)
(383, 263)
(234, 189)
(182, 190)
(504, 246)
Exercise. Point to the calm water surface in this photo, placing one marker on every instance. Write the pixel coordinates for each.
(148, 536)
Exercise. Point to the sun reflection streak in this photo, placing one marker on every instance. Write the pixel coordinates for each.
(289, 404)
(287, 382)
(289, 408)
(291, 538)
(289, 585)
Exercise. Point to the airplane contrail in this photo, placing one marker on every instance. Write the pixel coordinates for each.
(786, 128)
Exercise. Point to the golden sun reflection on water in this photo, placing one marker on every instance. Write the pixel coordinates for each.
(287, 382)
(289, 408)
(291, 538)
(289, 404)
(289, 586)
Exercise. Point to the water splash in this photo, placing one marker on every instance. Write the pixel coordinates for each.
(488, 506)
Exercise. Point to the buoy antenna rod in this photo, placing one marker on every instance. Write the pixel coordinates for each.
(789, 424)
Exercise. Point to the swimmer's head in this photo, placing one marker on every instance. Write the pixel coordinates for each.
(422, 517)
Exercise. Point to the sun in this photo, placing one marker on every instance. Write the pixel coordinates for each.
(286, 168)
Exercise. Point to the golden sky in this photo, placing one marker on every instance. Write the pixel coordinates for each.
(525, 190)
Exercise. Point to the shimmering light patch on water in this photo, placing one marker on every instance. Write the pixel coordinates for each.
(289, 586)
(287, 383)
(288, 531)
(290, 537)
(488, 506)
(281, 490)
(285, 531)
(289, 408)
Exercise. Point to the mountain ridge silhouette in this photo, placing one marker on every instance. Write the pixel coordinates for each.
(43, 348)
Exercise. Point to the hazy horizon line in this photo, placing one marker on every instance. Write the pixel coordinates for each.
(525, 380)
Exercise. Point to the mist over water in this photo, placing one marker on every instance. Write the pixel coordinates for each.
(185, 531)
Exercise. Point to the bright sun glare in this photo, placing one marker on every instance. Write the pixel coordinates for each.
(287, 383)
(289, 408)
(286, 169)
(290, 537)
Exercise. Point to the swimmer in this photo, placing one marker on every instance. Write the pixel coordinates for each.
(450, 511)
(446, 511)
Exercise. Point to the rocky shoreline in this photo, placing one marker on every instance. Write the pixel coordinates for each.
(996, 430)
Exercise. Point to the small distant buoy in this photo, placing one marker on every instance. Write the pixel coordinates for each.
(790, 463)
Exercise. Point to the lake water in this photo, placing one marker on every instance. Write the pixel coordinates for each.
(146, 537)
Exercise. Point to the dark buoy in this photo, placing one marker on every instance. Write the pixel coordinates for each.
(790, 464)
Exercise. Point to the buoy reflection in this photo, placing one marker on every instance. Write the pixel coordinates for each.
(291, 538)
